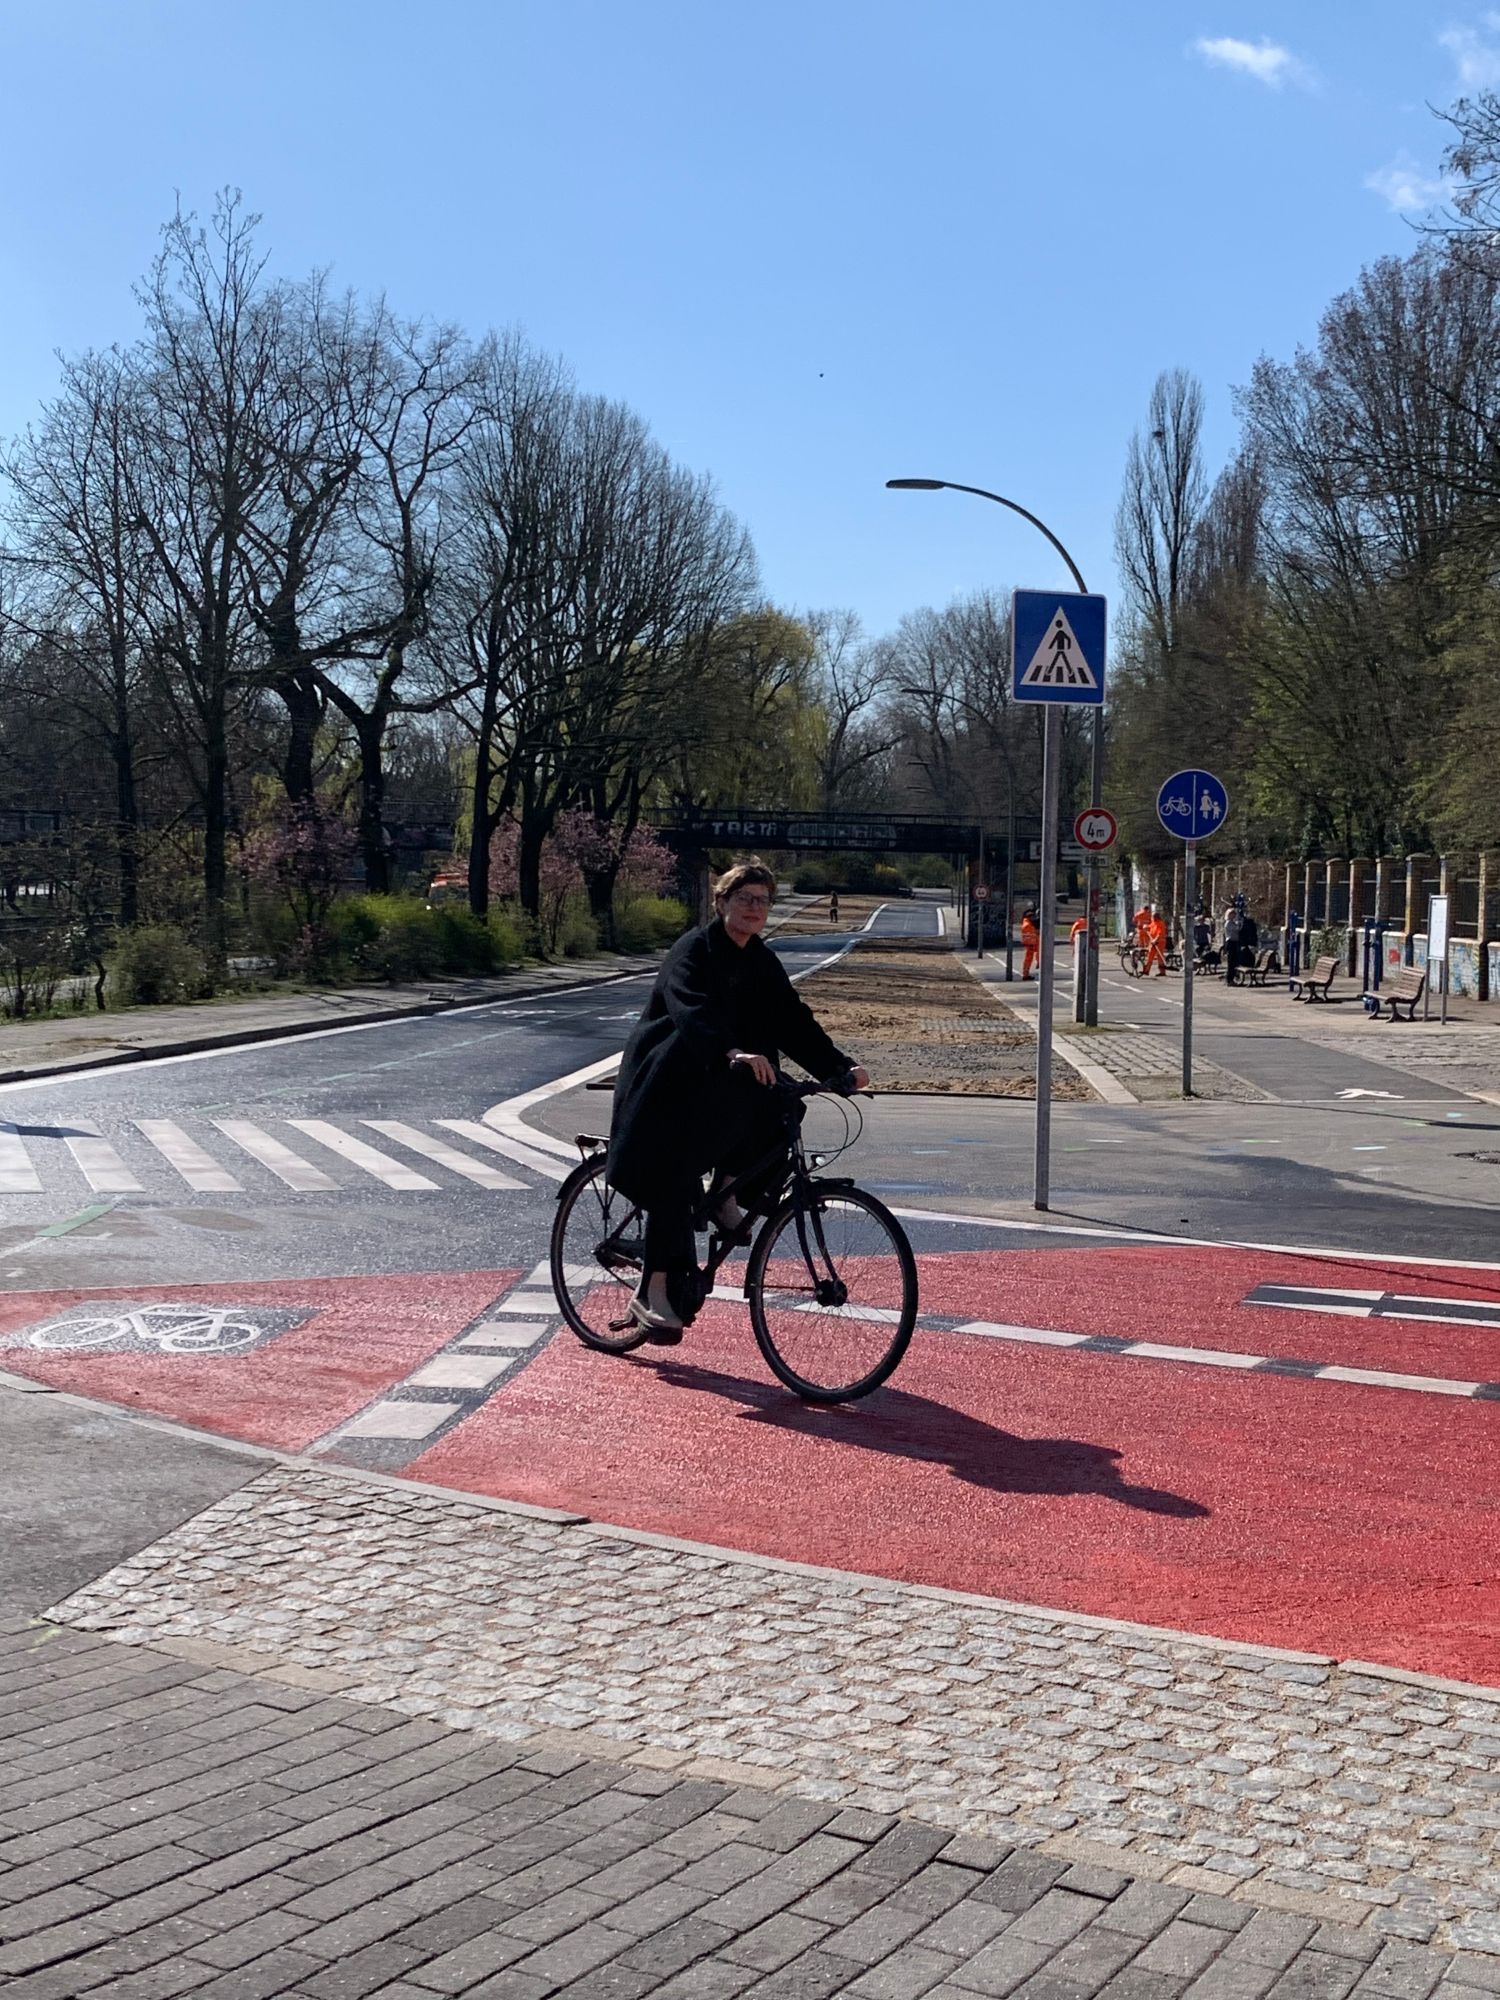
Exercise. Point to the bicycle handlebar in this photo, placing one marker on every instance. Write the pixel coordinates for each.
(791, 1087)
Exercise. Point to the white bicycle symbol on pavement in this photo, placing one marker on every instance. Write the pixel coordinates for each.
(169, 1329)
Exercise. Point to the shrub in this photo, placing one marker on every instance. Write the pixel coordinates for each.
(649, 923)
(510, 936)
(154, 965)
(400, 938)
(577, 935)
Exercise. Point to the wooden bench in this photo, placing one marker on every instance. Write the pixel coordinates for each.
(1403, 989)
(1267, 966)
(1315, 985)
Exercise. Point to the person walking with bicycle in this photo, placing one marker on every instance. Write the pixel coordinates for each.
(694, 1090)
(1156, 943)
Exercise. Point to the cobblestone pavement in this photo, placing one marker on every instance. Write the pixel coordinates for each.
(1151, 1065)
(1364, 1797)
(168, 1830)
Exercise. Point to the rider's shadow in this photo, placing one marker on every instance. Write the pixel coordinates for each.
(901, 1425)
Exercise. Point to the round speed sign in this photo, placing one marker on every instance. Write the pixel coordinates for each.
(1095, 829)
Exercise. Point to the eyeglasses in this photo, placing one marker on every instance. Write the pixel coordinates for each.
(747, 901)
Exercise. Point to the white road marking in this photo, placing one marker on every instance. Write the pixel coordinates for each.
(493, 1334)
(1102, 1233)
(186, 1157)
(1431, 1385)
(397, 1420)
(529, 1302)
(380, 1166)
(17, 1174)
(281, 1160)
(102, 1166)
(498, 1142)
(1219, 1357)
(461, 1371)
(445, 1156)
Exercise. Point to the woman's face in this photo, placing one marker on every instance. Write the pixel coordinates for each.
(745, 912)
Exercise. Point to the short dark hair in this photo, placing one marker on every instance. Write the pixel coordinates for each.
(745, 875)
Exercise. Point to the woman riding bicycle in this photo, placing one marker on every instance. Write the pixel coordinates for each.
(692, 1090)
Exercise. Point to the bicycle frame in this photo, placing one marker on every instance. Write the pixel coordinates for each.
(799, 1183)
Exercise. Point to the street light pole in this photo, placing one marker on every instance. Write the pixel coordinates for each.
(1051, 747)
(1096, 754)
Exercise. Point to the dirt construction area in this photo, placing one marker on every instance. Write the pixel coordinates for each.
(919, 1021)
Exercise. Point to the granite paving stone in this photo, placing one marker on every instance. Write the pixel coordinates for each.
(531, 1767)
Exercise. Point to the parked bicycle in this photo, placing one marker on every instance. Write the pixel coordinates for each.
(831, 1281)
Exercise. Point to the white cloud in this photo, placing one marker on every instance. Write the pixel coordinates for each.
(1268, 62)
(1476, 59)
(1404, 185)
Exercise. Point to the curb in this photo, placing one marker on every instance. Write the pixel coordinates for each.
(286, 1030)
(1103, 1082)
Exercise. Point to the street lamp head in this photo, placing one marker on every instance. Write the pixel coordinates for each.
(917, 485)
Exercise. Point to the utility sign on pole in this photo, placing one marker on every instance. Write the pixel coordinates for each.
(1191, 804)
(1058, 647)
(1057, 657)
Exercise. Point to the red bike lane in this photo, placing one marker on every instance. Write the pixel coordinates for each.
(1233, 1487)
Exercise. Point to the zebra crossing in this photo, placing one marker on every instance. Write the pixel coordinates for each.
(243, 1156)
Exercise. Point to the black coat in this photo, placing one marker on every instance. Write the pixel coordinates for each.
(674, 1094)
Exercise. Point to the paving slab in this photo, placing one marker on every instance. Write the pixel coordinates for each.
(1240, 1775)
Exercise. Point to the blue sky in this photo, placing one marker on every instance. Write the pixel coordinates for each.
(816, 244)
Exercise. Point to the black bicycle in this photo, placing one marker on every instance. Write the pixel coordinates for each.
(831, 1281)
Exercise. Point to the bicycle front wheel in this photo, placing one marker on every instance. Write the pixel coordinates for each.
(595, 1255)
(832, 1287)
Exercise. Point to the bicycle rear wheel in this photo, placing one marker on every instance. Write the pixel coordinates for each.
(595, 1254)
(832, 1287)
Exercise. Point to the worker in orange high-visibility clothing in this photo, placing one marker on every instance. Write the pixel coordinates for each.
(1142, 922)
(1156, 943)
(1031, 942)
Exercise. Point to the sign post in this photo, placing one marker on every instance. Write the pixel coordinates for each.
(1093, 830)
(1057, 658)
(1191, 805)
(1437, 953)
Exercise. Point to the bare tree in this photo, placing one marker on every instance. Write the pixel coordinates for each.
(848, 680)
(79, 555)
(1161, 505)
(410, 408)
(199, 468)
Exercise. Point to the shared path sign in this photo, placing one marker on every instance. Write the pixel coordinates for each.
(1057, 647)
(1192, 804)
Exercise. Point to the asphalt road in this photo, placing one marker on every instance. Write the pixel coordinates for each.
(320, 1155)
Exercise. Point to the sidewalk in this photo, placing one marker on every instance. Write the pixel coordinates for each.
(1140, 1060)
(340, 1736)
(88, 1041)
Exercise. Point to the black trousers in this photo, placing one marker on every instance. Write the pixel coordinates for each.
(751, 1124)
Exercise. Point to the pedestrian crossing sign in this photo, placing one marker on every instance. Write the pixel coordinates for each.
(1057, 647)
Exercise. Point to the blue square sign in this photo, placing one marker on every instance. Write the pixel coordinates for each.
(1057, 647)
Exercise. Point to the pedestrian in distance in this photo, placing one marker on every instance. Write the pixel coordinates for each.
(833, 907)
(1205, 958)
(1233, 927)
(694, 1094)
(1031, 942)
